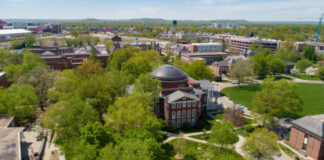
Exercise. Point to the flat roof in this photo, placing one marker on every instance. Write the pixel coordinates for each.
(5, 120)
(203, 54)
(14, 31)
(10, 143)
(205, 44)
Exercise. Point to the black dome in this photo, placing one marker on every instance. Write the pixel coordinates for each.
(169, 73)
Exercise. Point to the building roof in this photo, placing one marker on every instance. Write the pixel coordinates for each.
(205, 84)
(10, 143)
(198, 91)
(206, 44)
(221, 63)
(5, 120)
(313, 124)
(48, 53)
(14, 31)
(2, 74)
(169, 73)
(204, 54)
(180, 94)
(2, 23)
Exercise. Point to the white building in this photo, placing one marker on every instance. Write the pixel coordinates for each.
(11, 33)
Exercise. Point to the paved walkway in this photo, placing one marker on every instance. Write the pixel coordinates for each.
(49, 147)
(298, 80)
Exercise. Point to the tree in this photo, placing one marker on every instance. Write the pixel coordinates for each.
(29, 40)
(74, 33)
(88, 68)
(96, 40)
(146, 83)
(108, 45)
(130, 112)
(93, 55)
(180, 146)
(309, 53)
(260, 65)
(234, 115)
(241, 70)
(320, 72)
(68, 42)
(276, 65)
(198, 70)
(136, 67)
(96, 134)
(277, 99)
(117, 58)
(16, 44)
(20, 101)
(41, 79)
(261, 144)
(303, 64)
(222, 134)
(30, 61)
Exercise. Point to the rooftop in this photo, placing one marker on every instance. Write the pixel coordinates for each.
(169, 73)
(10, 143)
(14, 31)
(179, 94)
(5, 120)
(204, 54)
(313, 124)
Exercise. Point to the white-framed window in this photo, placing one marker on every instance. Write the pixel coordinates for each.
(183, 114)
(193, 113)
(194, 103)
(184, 104)
(179, 114)
(179, 124)
(152, 109)
(173, 123)
(189, 103)
(173, 105)
(189, 113)
(188, 121)
(199, 105)
(179, 105)
(173, 115)
(193, 122)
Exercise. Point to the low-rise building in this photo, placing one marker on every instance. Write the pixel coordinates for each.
(182, 98)
(208, 57)
(206, 47)
(307, 135)
(13, 33)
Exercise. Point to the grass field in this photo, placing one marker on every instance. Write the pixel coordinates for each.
(306, 77)
(311, 94)
(193, 153)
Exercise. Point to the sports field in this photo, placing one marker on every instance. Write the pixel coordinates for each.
(311, 94)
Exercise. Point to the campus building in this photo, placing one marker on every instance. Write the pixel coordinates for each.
(182, 98)
(3, 80)
(205, 47)
(307, 136)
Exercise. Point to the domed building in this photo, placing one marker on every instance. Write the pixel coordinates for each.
(182, 98)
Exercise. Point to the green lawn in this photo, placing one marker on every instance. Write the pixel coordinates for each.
(192, 152)
(311, 94)
(306, 77)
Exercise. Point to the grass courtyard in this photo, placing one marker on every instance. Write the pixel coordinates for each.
(193, 153)
(311, 94)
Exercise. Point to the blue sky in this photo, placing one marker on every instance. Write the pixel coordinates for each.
(259, 10)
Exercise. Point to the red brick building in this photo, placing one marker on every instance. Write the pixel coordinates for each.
(307, 135)
(182, 98)
(3, 80)
(55, 50)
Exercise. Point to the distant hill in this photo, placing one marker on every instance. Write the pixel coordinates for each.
(156, 20)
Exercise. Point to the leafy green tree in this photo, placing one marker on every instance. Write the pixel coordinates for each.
(74, 33)
(261, 144)
(96, 40)
(321, 73)
(108, 45)
(276, 65)
(222, 134)
(16, 44)
(287, 52)
(88, 68)
(68, 42)
(42, 80)
(309, 53)
(13, 72)
(136, 67)
(198, 70)
(29, 40)
(93, 55)
(241, 70)
(117, 58)
(20, 101)
(130, 112)
(30, 61)
(67, 118)
(303, 64)
(146, 83)
(277, 99)
(96, 134)
(260, 66)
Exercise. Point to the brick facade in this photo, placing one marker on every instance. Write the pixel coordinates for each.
(3, 80)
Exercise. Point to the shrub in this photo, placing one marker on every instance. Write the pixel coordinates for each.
(320, 73)
(249, 128)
